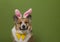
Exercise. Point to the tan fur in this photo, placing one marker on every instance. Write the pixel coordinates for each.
(22, 25)
(25, 20)
(31, 39)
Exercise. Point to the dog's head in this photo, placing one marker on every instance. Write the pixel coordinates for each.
(23, 23)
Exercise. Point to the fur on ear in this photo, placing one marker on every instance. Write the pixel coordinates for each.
(17, 13)
(27, 13)
(29, 17)
(15, 18)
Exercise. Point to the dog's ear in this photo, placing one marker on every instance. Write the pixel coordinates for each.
(15, 18)
(27, 13)
(17, 15)
(29, 17)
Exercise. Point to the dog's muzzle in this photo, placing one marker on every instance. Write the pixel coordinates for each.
(23, 27)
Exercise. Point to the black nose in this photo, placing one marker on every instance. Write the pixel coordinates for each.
(23, 26)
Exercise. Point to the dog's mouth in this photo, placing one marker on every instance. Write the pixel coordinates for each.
(23, 28)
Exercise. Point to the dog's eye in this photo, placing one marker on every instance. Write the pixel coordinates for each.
(20, 23)
(26, 22)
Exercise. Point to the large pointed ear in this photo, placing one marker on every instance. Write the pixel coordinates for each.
(17, 15)
(27, 13)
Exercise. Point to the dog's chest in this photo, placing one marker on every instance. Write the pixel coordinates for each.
(20, 37)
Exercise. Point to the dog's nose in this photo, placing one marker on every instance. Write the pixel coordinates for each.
(23, 26)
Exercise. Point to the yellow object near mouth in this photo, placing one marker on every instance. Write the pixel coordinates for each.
(18, 35)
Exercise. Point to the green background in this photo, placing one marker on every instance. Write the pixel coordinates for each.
(45, 19)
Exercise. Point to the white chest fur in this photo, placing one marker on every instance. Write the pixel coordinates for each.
(20, 40)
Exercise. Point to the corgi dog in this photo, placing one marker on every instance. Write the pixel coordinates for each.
(22, 30)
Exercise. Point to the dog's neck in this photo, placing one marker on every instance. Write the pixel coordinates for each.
(28, 35)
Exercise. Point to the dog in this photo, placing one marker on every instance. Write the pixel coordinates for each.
(22, 30)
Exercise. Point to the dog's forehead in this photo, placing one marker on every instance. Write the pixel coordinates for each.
(22, 19)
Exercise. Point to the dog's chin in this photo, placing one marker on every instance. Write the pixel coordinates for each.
(22, 31)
